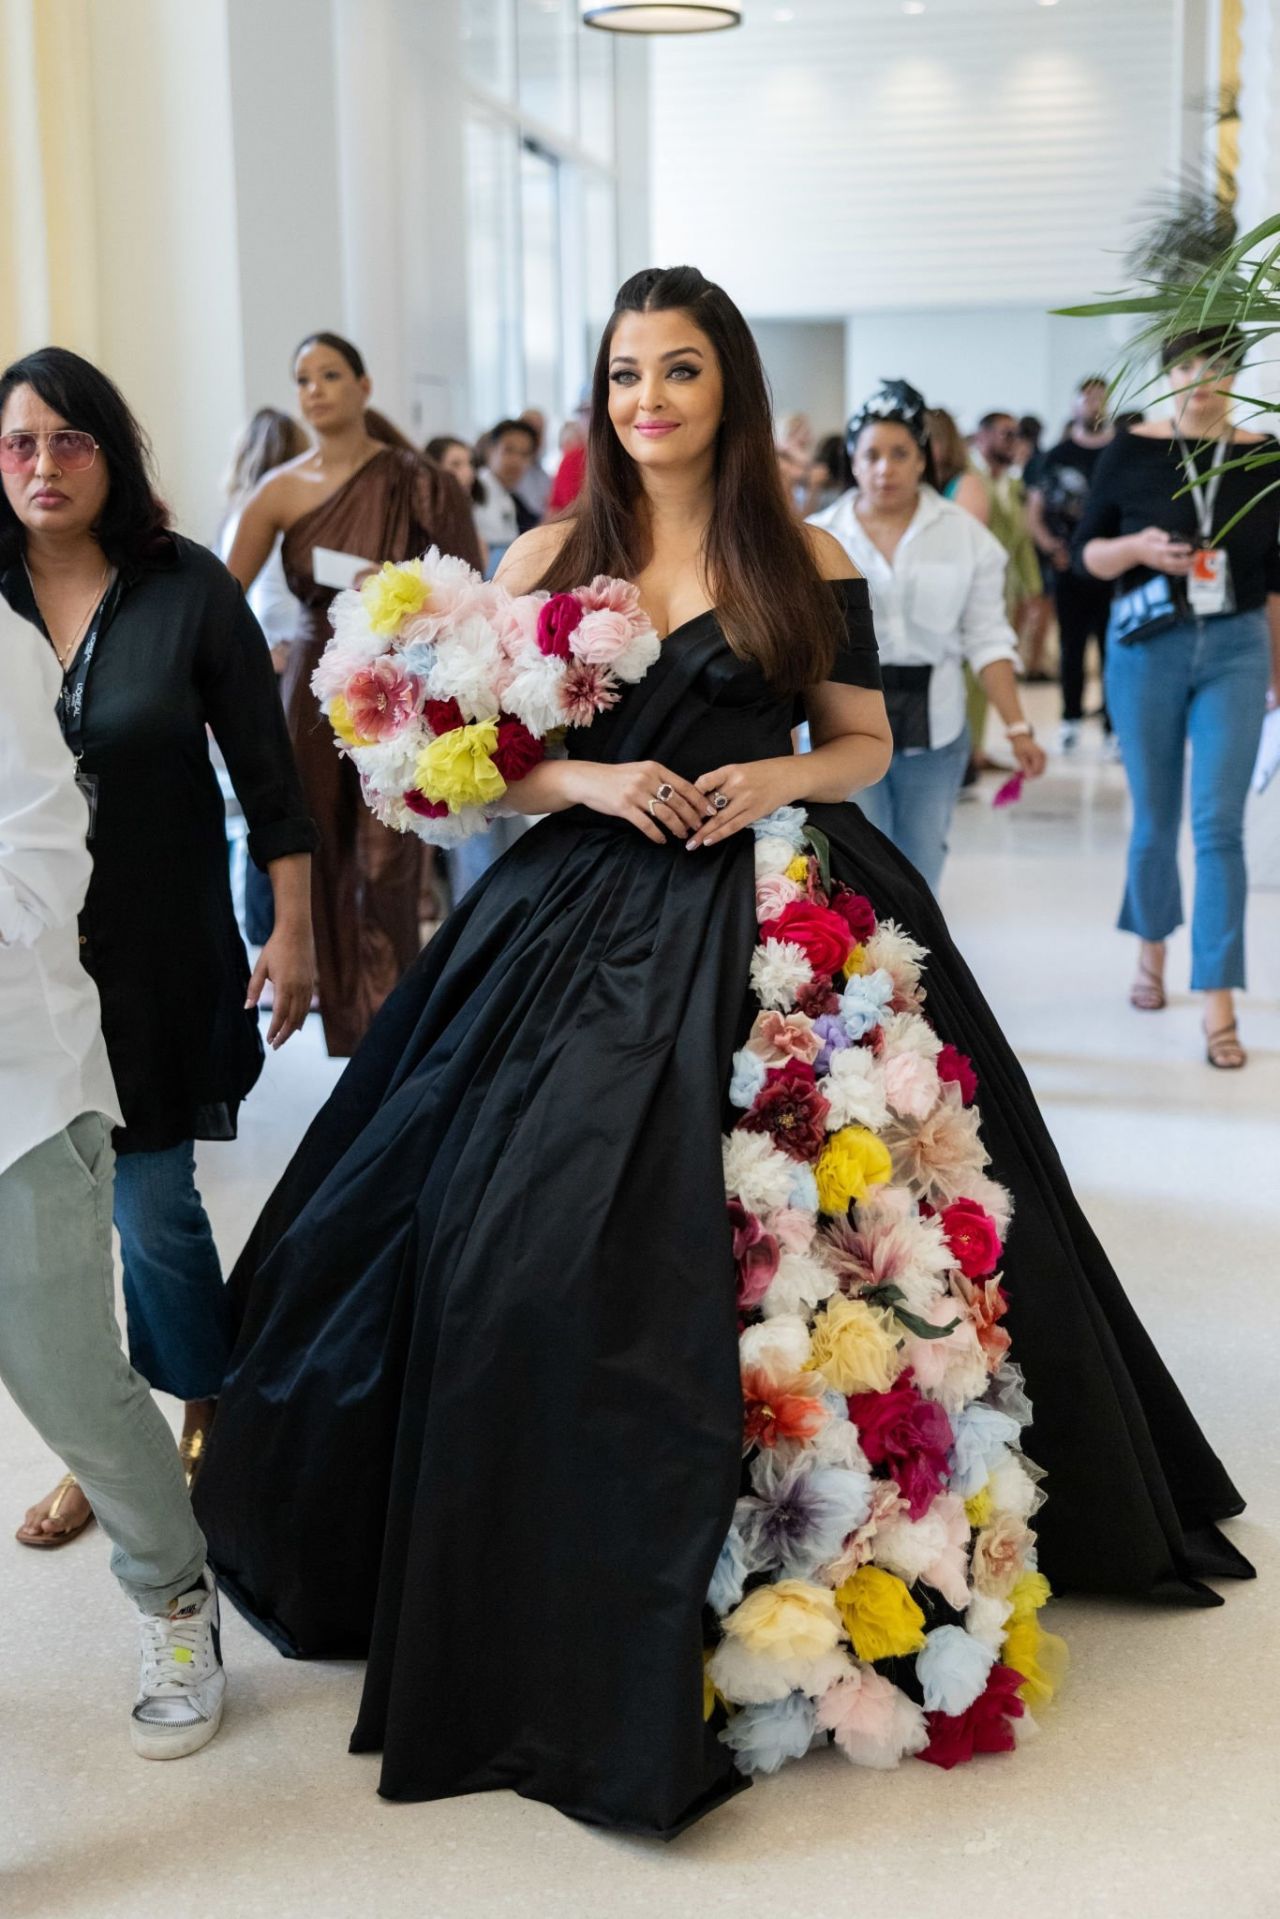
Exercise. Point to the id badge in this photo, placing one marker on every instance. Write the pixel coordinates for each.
(1209, 582)
(88, 785)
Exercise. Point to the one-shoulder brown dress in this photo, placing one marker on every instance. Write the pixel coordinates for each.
(365, 878)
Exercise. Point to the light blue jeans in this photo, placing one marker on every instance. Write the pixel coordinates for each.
(1203, 684)
(912, 805)
(61, 1358)
(176, 1304)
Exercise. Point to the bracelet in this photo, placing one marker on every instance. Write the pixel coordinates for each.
(1020, 730)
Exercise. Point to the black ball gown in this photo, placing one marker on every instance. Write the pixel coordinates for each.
(484, 1422)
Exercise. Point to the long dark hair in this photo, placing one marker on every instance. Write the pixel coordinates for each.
(134, 519)
(774, 606)
(352, 355)
(271, 438)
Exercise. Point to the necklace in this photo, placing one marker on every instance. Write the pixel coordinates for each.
(65, 656)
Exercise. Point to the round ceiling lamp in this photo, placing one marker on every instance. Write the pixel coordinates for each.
(661, 16)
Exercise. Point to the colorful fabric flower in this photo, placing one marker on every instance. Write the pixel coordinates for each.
(801, 1283)
(799, 1514)
(779, 972)
(756, 1172)
(853, 1161)
(855, 1346)
(381, 699)
(773, 894)
(393, 595)
(880, 1246)
(458, 767)
(817, 999)
(778, 1346)
(756, 1254)
(953, 1669)
(911, 1085)
(425, 809)
(908, 1435)
(871, 1720)
(762, 1738)
(784, 823)
(776, 1409)
(442, 716)
(987, 1305)
(1000, 1554)
(987, 1726)
(830, 1029)
(793, 1619)
(857, 913)
(865, 1001)
(900, 956)
(773, 855)
(981, 1436)
(971, 1234)
(586, 690)
(729, 1579)
(823, 936)
(776, 1037)
(746, 1079)
(940, 1155)
(517, 752)
(933, 1549)
(1039, 1656)
(790, 1109)
(557, 619)
(881, 1618)
(855, 1090)
(957, 1067)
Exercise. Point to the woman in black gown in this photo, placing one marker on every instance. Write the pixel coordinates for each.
(484, 1421)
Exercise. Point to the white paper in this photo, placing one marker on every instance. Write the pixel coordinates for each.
(331, 568)
(1267, 764)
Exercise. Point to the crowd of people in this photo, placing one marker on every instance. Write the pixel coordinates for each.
(129, 1002)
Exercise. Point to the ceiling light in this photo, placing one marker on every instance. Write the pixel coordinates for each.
(913, 6)
(783, 15)
(669, 16)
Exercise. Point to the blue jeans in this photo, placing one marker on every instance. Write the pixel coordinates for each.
(912, 805)
(176, 1305)
(1203, 683)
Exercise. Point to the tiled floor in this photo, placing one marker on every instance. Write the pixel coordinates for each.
(1151, 1789)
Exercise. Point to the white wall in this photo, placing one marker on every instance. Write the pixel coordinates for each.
(854, 159)
(805, 362)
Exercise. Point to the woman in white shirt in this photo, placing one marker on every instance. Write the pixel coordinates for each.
(937, 590)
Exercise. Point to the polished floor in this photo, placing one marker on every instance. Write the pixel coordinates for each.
(1151, 1788)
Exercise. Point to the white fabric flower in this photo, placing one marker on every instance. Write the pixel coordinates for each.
(854, 1088)
(909, 1033)
(779, 1347)
(756, 1172)
(780, 971)
(466, 668)
(637, 656)
(800, 1283)
(533, 693)
(773, 855)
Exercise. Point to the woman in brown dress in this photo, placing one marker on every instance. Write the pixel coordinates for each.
(348, 504)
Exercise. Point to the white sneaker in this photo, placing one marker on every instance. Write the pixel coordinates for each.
(182, 1686)
(1068, 736)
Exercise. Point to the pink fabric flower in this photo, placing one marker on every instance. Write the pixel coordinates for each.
(911, 1085)
(425, 809)
(605, 595)
(380, 699)
(971, 1234)
(586, 691)
(776, 1037)
(756, 1252)
(794, 1230)
(773, 894)
(602, 637)
(908, 1435)
(954, 1065)
(558, 619)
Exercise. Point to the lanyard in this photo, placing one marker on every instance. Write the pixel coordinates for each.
(75, 683)
(1204, 497)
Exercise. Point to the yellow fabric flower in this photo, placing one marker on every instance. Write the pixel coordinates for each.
(788, 1620)
(856, 962)
(711, 1693)
(1040, 1656)
(855, 1346)
(458, 767)
(394, 594)
(880, 1616)
(1030, 1593)
(853, 1161)
(979, 1508)
(340, 721)
(798, 870)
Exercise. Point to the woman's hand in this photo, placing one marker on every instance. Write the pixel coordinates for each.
(752, 789)
(1029, 754)
(288, 960)
(630, 793)
(1164, 552)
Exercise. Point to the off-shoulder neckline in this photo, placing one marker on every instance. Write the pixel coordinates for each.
(712, 612)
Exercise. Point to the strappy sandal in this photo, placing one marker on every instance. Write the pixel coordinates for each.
(1223, 1050)
(46, 1542)
(1147, 992)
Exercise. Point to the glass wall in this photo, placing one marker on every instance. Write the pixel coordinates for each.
(541, 203)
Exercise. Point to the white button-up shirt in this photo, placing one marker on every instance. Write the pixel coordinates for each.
(53, 1063)
(938, 602)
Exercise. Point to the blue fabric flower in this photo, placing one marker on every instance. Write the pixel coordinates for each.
(730, 1575)
(952, 1669)
(763, 1738)
(800, 1515)
(748, 1077)
(981, 1434)
(785, 823)
(865, 1001)
(804, 1189)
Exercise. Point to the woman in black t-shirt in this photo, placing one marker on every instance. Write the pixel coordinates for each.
(1193, 646)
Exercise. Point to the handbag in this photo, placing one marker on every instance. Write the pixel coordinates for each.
(906, 699)
(1144, 611)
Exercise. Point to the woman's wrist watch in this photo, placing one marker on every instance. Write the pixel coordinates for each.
(1020, 730)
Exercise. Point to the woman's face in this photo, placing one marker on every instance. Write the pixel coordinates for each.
(330, 395)
(46, 495)
(1199, 387)
(457, 460)
(888, 466)
(666, 390)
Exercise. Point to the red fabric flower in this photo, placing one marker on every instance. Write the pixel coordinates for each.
(772, 1410)
(857, 912)
(823, 936)
(756, 1253)
(817, 998)
(909, 1435)
(957, 1066)
(791, 1110)
(986, 1726)
(517, 751)
(443, 716)
(973, 1237)
(425, 809)
(559, 616)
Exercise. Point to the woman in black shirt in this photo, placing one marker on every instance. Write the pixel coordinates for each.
(158, 648)
(1193, 644)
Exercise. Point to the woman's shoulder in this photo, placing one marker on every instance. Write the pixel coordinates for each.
(828, 555)
(528, 557)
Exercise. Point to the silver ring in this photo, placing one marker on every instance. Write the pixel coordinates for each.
(652, 803)
(720, 801)
(665, 793)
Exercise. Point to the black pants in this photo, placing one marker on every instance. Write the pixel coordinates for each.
(1083, 607)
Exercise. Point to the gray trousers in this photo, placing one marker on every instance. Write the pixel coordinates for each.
(62, 1360)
